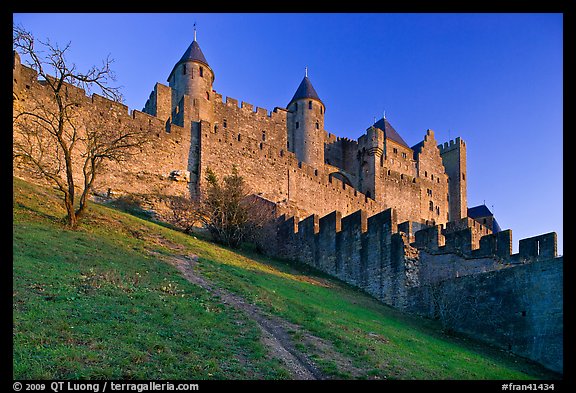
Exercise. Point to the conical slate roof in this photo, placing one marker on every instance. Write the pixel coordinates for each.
(305, 90)
(389, 131)
(193, 53)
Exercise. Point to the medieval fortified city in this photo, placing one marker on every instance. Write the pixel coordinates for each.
(388, 218)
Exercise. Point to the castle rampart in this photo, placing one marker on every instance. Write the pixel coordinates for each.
(384, 217)
(374, 254)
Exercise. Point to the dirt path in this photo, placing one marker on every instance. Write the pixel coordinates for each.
(275, 330)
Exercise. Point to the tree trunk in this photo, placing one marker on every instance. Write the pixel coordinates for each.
(71, 218)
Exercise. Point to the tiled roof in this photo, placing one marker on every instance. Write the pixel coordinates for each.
(390, 132)
(483, 211)
(479, 211)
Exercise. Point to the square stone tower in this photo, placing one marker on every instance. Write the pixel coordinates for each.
(454, 159)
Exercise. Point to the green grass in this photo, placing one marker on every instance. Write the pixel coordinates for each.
(95, 303)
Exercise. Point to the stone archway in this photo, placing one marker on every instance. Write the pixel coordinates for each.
(340, 176)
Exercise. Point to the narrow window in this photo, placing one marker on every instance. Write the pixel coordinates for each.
(431, 206)
(215, 128)
(317, 126)
(321, 110)
(201, 72)
(309, 104)
(425, 173)
(297, 124)
(395, 151)
(208, 96)
(432, 176)
(403, 155)
(463, 177)
(225, 124)
(264, 135)
(288, 145)
(239, 138)
(183, 69)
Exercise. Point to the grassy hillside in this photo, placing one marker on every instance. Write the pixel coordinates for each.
(103, 302)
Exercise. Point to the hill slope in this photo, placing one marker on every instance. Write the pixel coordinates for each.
(129, 299)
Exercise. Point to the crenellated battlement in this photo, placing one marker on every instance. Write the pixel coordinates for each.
(437, 241)
(96, 104)
(247, 108)
(433, 240)
(451, 145)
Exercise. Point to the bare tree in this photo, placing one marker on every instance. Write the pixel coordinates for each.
(454, 308)
(230, 212)
(51, 134)
(186, 212)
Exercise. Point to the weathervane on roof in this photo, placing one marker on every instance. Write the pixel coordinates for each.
(384, 114)
(306, 71)
(194, 31)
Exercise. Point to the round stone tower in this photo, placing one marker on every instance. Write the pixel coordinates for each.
(306, 125)
(192, 77)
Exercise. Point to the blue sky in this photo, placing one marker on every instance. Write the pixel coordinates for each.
(495, 80)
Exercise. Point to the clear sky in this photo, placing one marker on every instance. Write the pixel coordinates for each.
(495, 80)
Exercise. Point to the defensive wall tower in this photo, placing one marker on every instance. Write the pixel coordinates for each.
(370, 148)
(306, 125)
(454, 159)
(192, 77)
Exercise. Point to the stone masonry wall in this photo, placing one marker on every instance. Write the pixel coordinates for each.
(519, 309)
(518, 304)
(362, 251)
(274, 173)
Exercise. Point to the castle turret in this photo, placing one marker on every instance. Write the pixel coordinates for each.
(192, 77)
(306, 125)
